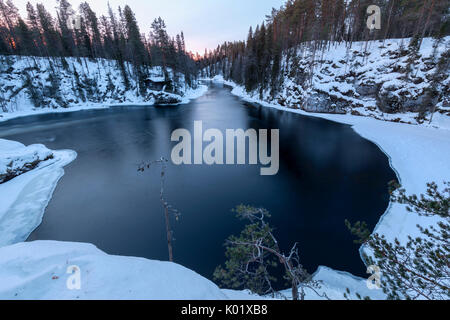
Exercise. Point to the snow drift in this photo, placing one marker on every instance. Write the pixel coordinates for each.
(38, 270)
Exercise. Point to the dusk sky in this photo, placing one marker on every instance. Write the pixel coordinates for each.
(205, 23)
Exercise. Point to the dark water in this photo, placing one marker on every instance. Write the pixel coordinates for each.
(327, 174)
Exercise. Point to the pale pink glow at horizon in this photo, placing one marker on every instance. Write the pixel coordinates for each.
(205, 23)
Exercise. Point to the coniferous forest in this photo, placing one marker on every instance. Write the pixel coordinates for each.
(80, 33)
(318, 26)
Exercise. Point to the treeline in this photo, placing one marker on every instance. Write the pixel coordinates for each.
(316, 24)
(82, 33)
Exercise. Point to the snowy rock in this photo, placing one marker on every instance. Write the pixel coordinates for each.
(367, 89)
(24, 198)
(161, 99)
(15, 158)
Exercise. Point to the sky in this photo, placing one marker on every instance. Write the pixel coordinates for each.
(205, 23)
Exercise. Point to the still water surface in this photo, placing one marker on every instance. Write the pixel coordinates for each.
(327, 174)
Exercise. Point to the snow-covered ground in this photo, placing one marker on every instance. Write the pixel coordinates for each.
(335, 283)
(24, 198)
(368, 79)
(32, 270)
(38, 270)
(33, 85)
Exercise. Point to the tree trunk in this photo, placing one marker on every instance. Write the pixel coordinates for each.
(169, 233)
(294, 290)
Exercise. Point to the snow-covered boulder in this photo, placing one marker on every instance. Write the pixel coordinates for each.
(165, 98)
(29, 176)
(16, 158)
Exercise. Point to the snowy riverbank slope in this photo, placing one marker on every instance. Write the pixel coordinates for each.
(15, 158)
(380, 79)
(34, 171)
(30, 85)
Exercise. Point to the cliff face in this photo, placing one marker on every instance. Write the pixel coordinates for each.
(370, 79)
(33, 82)
(381, 79)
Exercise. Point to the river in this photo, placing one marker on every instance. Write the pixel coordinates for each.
(327, 174)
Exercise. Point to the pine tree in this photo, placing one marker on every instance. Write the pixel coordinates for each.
(49, 33)
(160, 43)
(418, 268)
(136, 46)
(33, 23)
(119, 56)
(8, 12)
(92, 32)
(250, 63)
(64, 13)
(253, 256)
(25, 37)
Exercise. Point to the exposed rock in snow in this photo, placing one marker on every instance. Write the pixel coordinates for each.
(418, 154)
(323, 102)
(161, 98)
(24, 198)
(16, 159)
